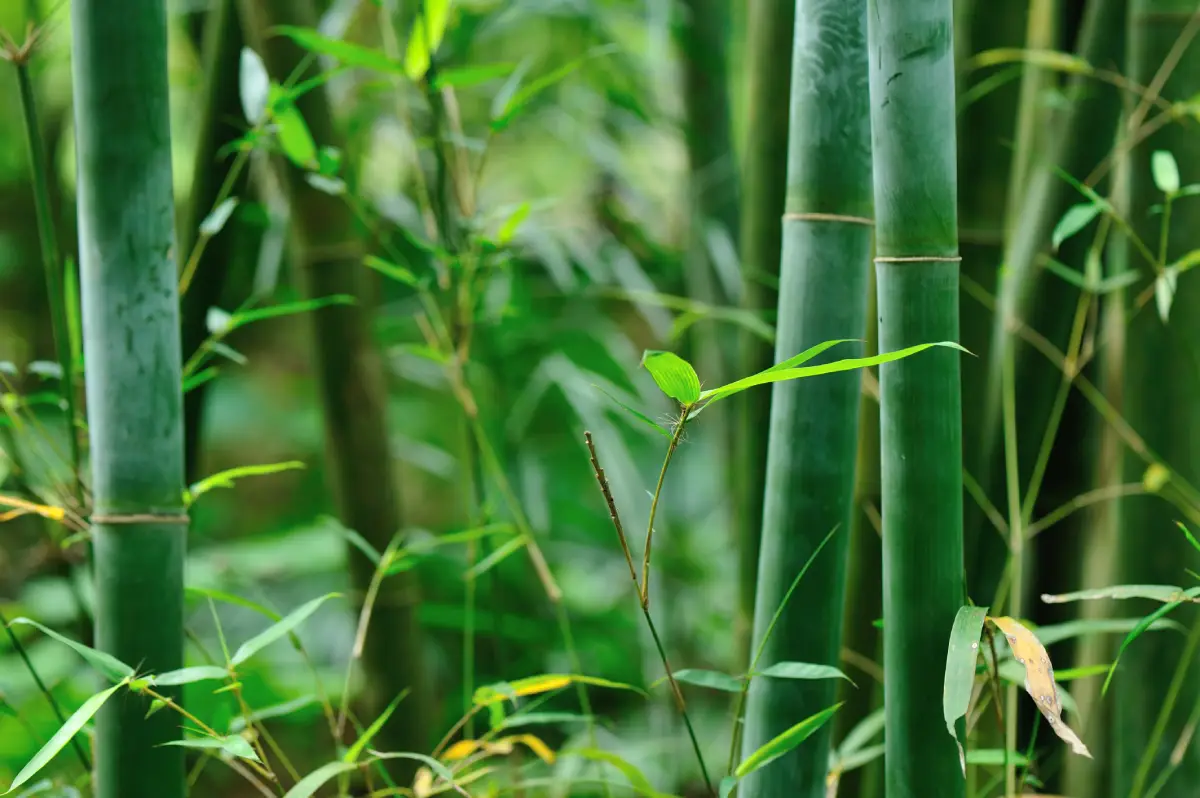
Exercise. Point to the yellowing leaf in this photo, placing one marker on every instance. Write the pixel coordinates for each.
(502, 747)
(535, 685)
(20, 507)
(1039, 678)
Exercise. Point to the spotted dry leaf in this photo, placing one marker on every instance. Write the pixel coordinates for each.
(1039, 678)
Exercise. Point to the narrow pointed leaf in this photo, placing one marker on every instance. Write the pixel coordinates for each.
(1155, 592)
(773, 749)
(803, 670)
(352, 55)
(1075, 219)
(200, 673)
(232, 744)
(308, 786)
(278, 629)
(107, 664)
(705, 678)
(360, 744)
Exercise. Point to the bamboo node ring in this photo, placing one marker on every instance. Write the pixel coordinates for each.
(141, 518)
(827, 217)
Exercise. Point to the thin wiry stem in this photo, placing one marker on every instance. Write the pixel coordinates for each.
(662, 475)
(606, 491)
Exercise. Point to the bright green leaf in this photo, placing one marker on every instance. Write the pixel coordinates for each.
(352, 55)
(780, 745)
(278, 629)
(233, 744)
(463, 77)
(428, 30)
(1075, 219)
(501, 553)
(308, 786)
(244, 317)
(391, 270)
(961, 655)
(224, 479)
(274, 711)
(61, 737)
(673, 375)
(637, 779)
(107, 664)
(1165, 171)
(995, 756)
(294, 137)
(353, 752)
(509, 228)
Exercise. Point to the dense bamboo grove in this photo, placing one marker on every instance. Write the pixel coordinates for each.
(356, 363)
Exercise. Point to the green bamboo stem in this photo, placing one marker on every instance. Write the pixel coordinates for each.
(917, 264)
(771, 25)
(131, 344)
(222, 45)
(353, 393)
(811, 449)
(52, 264)
(1161, 386)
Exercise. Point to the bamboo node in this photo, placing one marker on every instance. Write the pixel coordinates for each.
(921, 259)
(141, 518)
(827, 217)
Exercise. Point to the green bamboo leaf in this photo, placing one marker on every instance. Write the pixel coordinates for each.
(278, 629)
(1165, 171)
(63, 736)
(544, 718)
(495, 558)
(674, 376)
(859, 758)
(808, 354)
(704, 678)
(107, 664)
(803, 670)
(308, 786)
(294, 137)
(716, 394)
(1164, 292)
(727, 785)
(225, 479)
(440, 770)
(352, 55)
(244, 317)
(862, 733)
(230, 598)
(427, 33)
(519, 99)
(995, 756)
(1057, 632)
(463, 77)
(216, 219)
(509, 228)
(961, 655)
(542, 683)
(1155, 592)
(1188, 534)
(1066, 273)
(1075, 219)
(391, 270)
(780, 745)
(274, 711)
(353, 752)
(233, 744)
(1136, 632)
(635, 413)
(254, 86)
(637, 779)
(199, 673)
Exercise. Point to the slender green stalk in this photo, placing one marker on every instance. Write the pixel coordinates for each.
(811, 449)
(131, 344)
(211, 173)
(917, 269)
(771, 26)
(52, 264)
(353, 392)
(1162, 381)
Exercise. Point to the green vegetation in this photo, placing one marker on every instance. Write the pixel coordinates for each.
(599, 399)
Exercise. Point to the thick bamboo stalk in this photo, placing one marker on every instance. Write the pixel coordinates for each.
(814, 423)
(913, 126)
(769, 53)
(1162, 385)
(130, 308)
(353, 392)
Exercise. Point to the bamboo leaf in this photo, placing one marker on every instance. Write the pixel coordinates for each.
(778, 375)
(427, 33)
(463, 77)
(107, 664)
(279, 629)
(294, 137)
(1165, 171)
(1155, 592)
(637, 779)
(1039, 679)
(274, 711)
(199, 673)
(1075, 219)
(1164, 292)
(995, 756)
(845, 764)
(961, 655)
(674, 376)
(254, 86)
(391, 270)
(503, 746)
(636, 414)
(541, 718)
(1188, 534)
(230, 598)
(512, 223)
(352, 55)
(63, 736)
(217, 217)
(780, 745)
(501, 553)
(543, 683)
(704, 678)
(308, 786)
(862, 733)
(1135, 633)
(244, 317)
(803, 670)
(1055, 633)
(437, 767)
(225, 479)
(520, 98)
(353, 752)
(233, 744)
